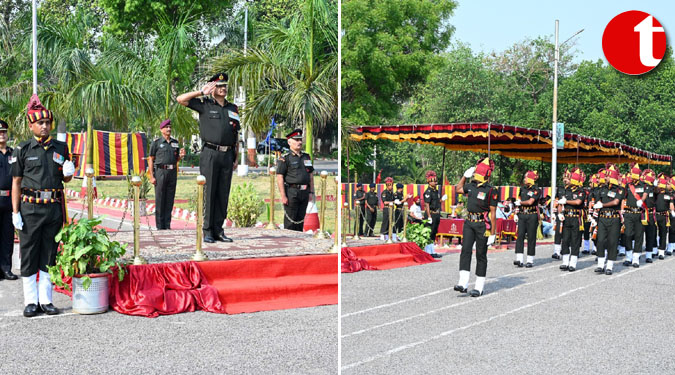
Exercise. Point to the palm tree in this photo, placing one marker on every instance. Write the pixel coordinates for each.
(291, 70)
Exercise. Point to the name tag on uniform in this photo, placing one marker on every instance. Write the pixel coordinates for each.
(666, 197)
(174, 144)
(308, 163)
(639, 190)
(12, 159)
(611, 194)
(303, 187)
(651, 195)
(32, 158)
(161, 146)
(233, 115)
(481, 195)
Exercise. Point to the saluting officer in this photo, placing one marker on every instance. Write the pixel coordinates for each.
(387, 198)
(527, 219)
(648, 177)
(371, 210)
(481, 198)
(633, 208)
(360, 201)
(295, 182)
(219, 126)
(39, 168)
(664, 205)
(6, 226)
(571, 215)
(165, 153)
(609, 220)
(398, 211)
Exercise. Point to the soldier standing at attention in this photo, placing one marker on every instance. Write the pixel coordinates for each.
(481, 199)
(6, 226)
(570, 214)
(387, 198)
(360, 200)
(633, 212)
(295, 182)
(648, 177)
(219, 126)
(165, 153)
(664, 204)
(609, 220)
(527, 219)
(40, 166)
(557, 228)
(671, 232)
(371, 206)
(432, 204)
(398, 211)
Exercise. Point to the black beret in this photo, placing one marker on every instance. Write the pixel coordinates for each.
(359, 185)
(399, 186)
(372, 185)
(219, 78)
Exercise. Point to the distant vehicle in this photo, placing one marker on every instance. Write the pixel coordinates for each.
(276, 144)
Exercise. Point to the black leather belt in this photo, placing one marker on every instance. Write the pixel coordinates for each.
(43, 194)
(216, 147)
(528, 210)
(633, 210)
(298, 186)
(475, 217)
(166, 166)
(609, 214)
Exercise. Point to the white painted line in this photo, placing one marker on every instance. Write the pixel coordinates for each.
(537, 269)
(474, 324)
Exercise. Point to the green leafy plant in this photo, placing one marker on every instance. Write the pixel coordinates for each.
(245, 205)
(419, 234)
(85, 250)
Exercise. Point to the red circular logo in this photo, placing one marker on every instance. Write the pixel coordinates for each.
(634, 42)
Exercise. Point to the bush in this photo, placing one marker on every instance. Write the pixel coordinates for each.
(419, 234)
(245, 205)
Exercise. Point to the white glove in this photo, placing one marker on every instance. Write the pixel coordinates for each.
(593, 222)
(515, 218)
(17, 221)
(68, 168)
(517, 203)
(639, 203)
(491, 240)
(562, 200)
(656, 182)
(469, 172)
(597, 205)
(444, 198)
(397, 202)
(672, 213)
(561, 217)
(430, 220)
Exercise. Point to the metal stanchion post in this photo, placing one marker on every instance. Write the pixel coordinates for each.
(89, 172)
(391, 224)
(271, 225)
(320, 233)
(199, 254)
(405, 221)
(138, 259)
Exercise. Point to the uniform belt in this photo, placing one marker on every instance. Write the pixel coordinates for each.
(662, 213)
(5, 193)
(633, 210)
(573, 212)
(43, 194)
(475, 217)
(609, 214)
(216, 147)
(528, 210)
(298, 186)
(166, 166)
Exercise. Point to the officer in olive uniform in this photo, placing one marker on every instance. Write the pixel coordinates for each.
(633, 208)
(6, 226)
(371, 210)
(295, 182)
(527, 219)
(609, 220)
(481, 198)
(664, 205)
(39, 168)
(432, 204)
(557, 228)
(360, 201)
(219, 126)
(387, 198)
(165, 153)
(398, 211)
(648, 177)
(571, 215)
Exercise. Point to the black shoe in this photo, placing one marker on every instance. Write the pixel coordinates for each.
(529, 265)
(564, 267)
(626, 263)
(571, 269)
(434, 255)
(209, 239)
(621, 255)
(669, 253)
(585, 251)
(31, 310)
(594, 252)
(8, 275)
(460, 289)
(223, 238)
(649, 260)
(475, 293)
(599, 270)
(636, 265)
(662, 257)
(608, 272)
(518, 264)
(49, 309)
(556, 256)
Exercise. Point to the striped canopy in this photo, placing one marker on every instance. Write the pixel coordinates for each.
(512, 141)
(115, 154)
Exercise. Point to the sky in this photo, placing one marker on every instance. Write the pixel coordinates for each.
(493, 25)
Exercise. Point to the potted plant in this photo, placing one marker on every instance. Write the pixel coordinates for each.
(87, 256)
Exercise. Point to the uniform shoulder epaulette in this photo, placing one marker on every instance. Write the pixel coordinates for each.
(23, 144)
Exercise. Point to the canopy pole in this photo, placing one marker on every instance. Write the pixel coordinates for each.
(488, 134)
(577, 163)
(443, 172)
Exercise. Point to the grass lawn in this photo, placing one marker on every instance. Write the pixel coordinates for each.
(186, 189)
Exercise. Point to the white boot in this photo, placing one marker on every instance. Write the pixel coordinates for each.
(601, 262)
(30, 290)
(45, 288)
(530, 259)
(610, 265)
(636, 258)
(519, 257)
(566, 260)
(480, 284)
(622, 250)
(573, 262)
(556, 249)
(629, 256)
(587, 246)
(464, 279)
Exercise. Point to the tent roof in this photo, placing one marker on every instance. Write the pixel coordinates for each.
(513, 142)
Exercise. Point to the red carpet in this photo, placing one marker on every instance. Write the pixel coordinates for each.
(384, 257)
(249, 285)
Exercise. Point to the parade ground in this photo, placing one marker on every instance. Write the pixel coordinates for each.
(537, 320)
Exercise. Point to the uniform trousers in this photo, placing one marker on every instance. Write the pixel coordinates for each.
(216, 166)
(609, 230)
(296, 208)
(527, 226)
(165, 192)
(41, 223)
(474, 232)
(634, 232)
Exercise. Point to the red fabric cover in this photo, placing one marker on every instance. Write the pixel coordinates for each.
(163, 289)
(262, 284)
(388, 256)
(351, 263)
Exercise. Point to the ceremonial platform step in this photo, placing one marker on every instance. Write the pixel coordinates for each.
(383, 257)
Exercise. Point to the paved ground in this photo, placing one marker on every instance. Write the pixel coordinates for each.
(530, 321)
(299, 341)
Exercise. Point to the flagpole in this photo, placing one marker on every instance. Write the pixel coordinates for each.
(34, 46)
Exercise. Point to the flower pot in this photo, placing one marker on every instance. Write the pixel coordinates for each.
(94, 300)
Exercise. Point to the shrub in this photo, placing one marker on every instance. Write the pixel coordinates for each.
(245, 205)
(419, 234)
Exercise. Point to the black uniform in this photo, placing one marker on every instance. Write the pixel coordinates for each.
(218, 128)
(557, 230)
(571, 226)
(165, 171)
(41, 166)
(632, 218)
(398, 213)
(609, 221)
(297, 171)
(432, 199)
(371, 217)
(586, 234)
(528, 220)
(479, 199)
(6, 226)
(662, 201)
(387, 196)
(650, 228)
(359, 201)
